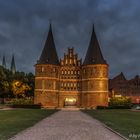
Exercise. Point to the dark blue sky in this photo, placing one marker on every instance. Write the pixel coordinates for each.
(24, 26)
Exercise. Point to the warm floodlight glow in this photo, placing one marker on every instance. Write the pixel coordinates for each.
(70, 100)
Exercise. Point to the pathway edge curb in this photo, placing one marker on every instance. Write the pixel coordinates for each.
(114, 131)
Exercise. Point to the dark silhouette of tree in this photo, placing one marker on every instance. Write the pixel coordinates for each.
(7, 79)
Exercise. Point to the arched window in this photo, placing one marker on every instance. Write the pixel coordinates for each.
(42, 69)
(72, 72)
(62, 72)
(61, 84)
(78, 72)
(71, 85)
(54, 69)
(66, 61)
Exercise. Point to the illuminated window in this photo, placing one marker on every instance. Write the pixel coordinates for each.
(70, 61)
(42, 69)
(78, 72)
(71, 72)
(61, 84)
(62, 63)
(62, 72)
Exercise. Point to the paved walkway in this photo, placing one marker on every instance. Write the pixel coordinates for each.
(67, 125)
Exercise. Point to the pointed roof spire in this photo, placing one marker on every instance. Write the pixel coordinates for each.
(49, 54)
(94, 54)
(13, 65)
(4, 62)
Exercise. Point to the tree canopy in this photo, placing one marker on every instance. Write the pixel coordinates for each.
(20, 84)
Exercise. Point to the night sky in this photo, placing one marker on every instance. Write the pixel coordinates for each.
(24, 27)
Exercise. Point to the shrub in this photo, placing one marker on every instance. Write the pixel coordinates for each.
(120, 103)
(22, 101)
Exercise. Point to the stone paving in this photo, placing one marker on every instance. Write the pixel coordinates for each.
(68, 125)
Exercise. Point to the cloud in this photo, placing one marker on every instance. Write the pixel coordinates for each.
(24, 26)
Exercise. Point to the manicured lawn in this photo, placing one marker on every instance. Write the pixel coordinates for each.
(126, 122)
(14, 121)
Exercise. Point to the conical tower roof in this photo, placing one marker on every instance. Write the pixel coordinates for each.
(13, 65)
(94, 54)
(49, 54)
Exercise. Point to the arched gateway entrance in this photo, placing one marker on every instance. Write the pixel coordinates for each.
(70, 102)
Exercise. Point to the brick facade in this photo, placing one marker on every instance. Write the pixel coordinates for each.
(120, 86)
(69, 82)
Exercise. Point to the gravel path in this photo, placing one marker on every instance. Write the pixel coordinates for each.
(67, 125)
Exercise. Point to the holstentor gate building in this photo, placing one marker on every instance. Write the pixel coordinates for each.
(69, 81)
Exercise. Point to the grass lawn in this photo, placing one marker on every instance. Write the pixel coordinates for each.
(14, 121)
(126, 122)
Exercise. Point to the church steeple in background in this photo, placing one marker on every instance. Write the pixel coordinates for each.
(13, 65)
(4, 62)
(49, 54)
(94, 54)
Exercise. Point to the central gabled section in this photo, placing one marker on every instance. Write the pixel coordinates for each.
(70, 72)
(70, 78)
(68, 81)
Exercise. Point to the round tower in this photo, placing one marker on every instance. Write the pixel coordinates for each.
(95, 85)
(47, 75)
(94, 76)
